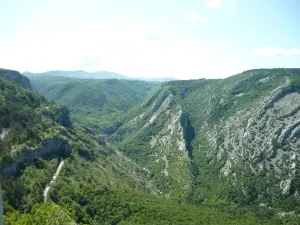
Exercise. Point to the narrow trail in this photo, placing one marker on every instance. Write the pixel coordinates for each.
(48, 186)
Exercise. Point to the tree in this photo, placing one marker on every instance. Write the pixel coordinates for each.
(45, 214)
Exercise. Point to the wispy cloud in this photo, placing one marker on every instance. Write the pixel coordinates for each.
(213, 3)
(271, 51)
(194, 17)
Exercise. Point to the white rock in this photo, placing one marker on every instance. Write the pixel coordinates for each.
(285, 186)
(263, 80)
(240, 94)
(4, 133)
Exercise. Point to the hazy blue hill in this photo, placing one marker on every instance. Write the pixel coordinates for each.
(94, 75)
(80, 74)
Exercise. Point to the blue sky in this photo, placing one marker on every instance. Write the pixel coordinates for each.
(150, 38)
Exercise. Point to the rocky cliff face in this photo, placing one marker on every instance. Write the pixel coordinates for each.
(264, 139)
(16, 77)
(28, 119)
(64, 117)
(161, 119)
(246, 129)
(60, 114)
(52, 147)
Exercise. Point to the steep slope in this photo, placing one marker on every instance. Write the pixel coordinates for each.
(158, 145)
(31, 129)
(94, 102)
(27, 119)
(213, 141)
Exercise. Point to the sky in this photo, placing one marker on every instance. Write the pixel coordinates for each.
(185, 39)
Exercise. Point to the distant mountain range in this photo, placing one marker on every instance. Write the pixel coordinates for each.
(96, 75)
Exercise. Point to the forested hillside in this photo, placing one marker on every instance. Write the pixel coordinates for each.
(97, 103)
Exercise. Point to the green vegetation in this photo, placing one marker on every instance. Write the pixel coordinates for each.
(22, 116)
(47, 214)
(209, 103)
(97, 103)
(150, 178)
(94, 75)
(112, 197)
(108, 196)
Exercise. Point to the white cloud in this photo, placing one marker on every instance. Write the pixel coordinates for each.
(194, 17)
(213, 3)
(271, 51)
(119, 47)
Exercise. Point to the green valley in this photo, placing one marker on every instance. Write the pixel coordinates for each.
(97, 103)
(150, 112)
(208, 151)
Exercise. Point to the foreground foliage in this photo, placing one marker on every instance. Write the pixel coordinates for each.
(46, 214)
